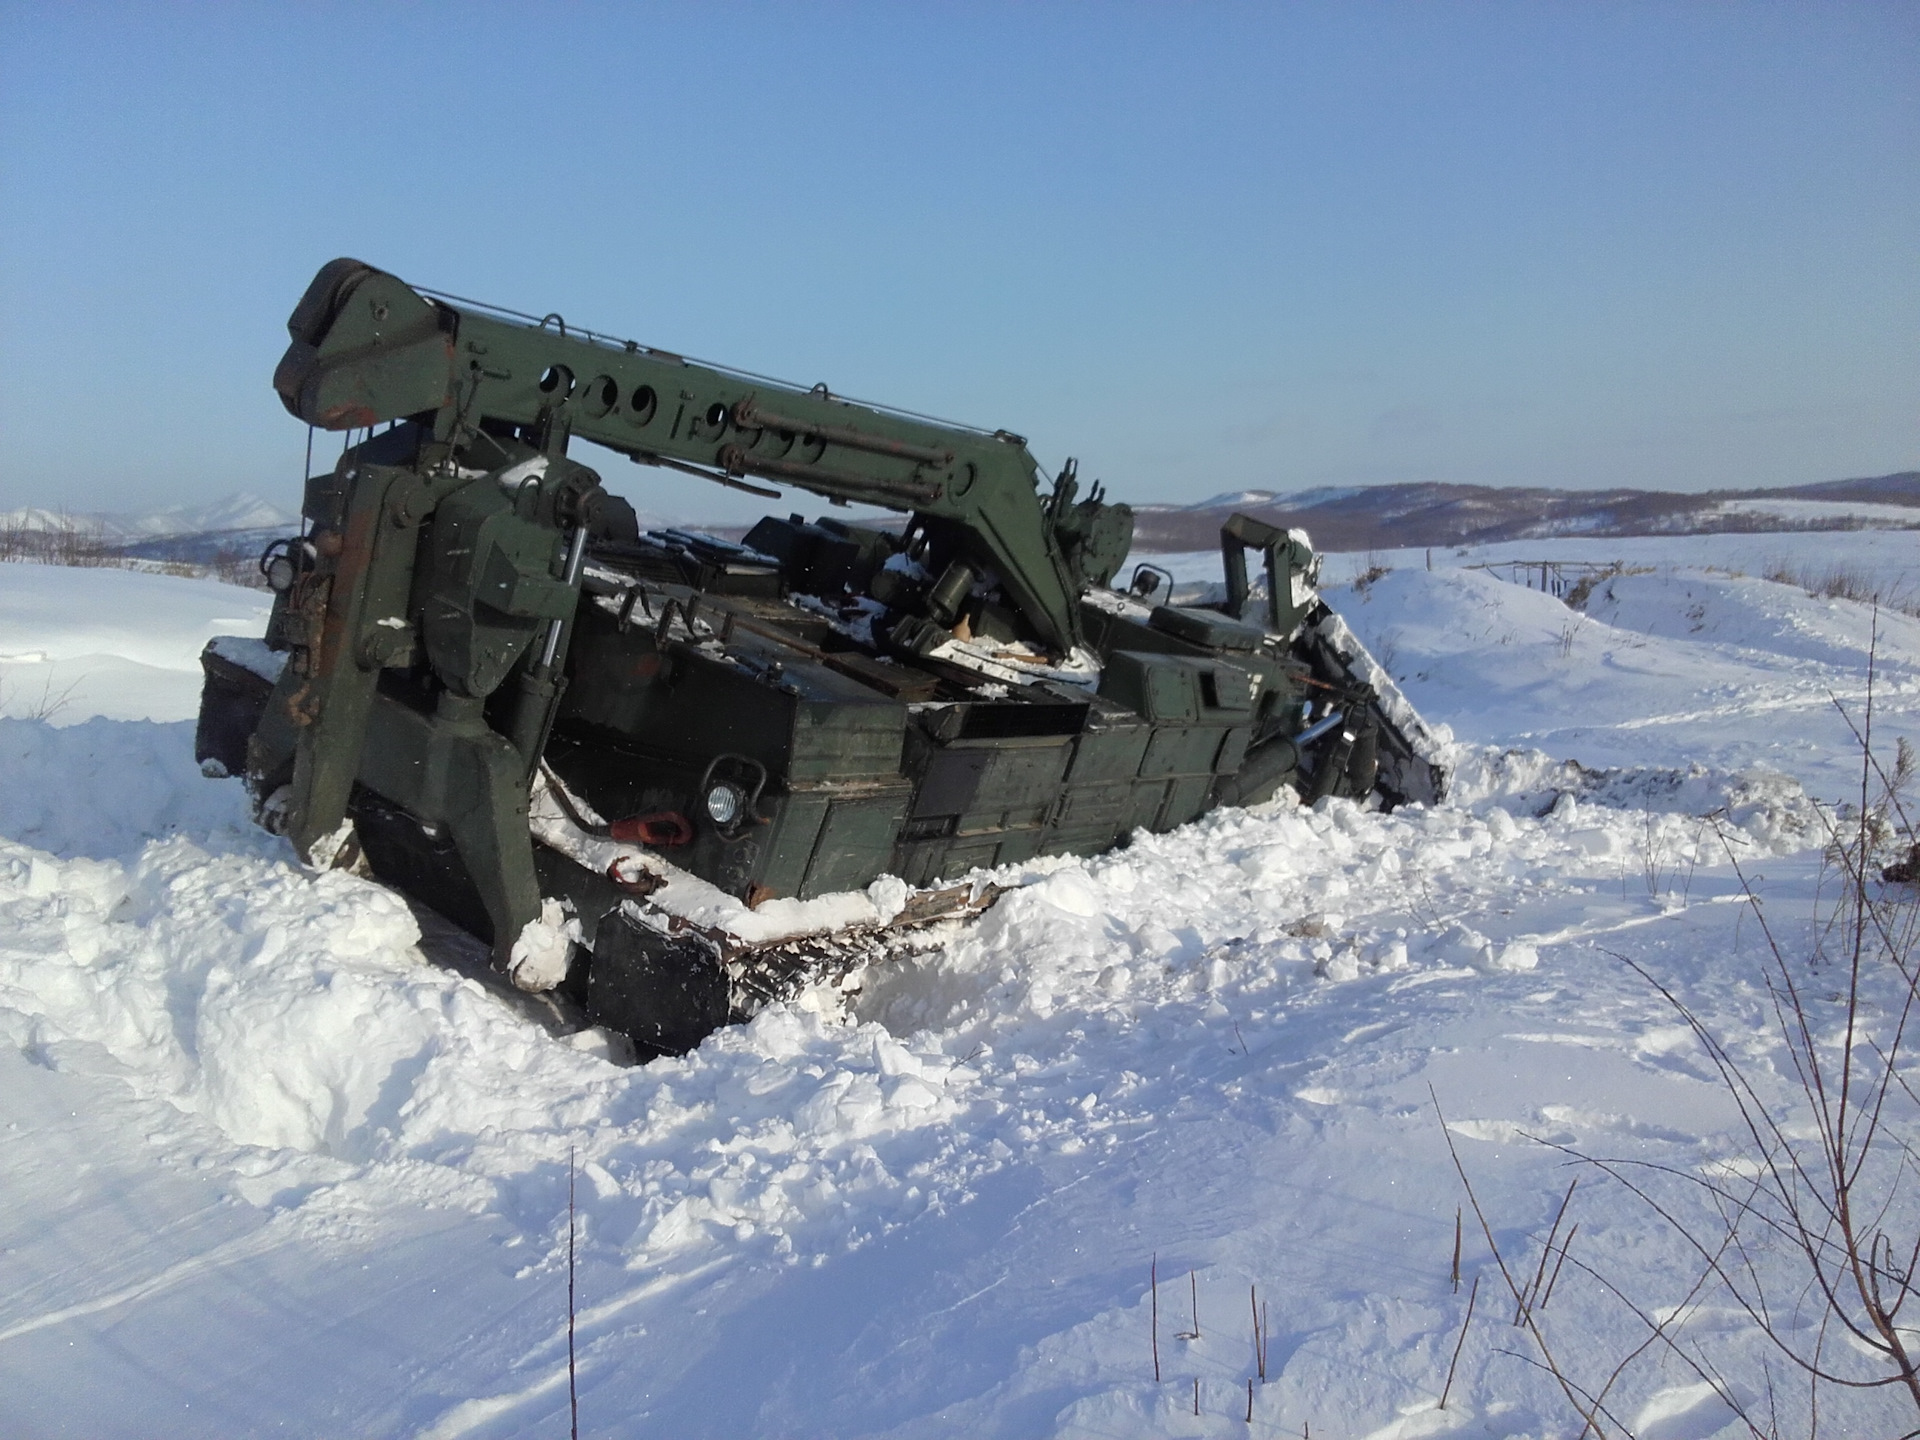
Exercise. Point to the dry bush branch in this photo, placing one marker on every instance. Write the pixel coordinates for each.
(1526, 1320)
(1830, 1214)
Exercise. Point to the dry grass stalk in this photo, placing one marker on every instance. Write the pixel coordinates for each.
(1554, 1279)
(1153, 1280)
(1461, 1343)
(1456, 1249)
(573, 1393)
(1837, 582)
(1546, 1251)
(1588, 1411)
(1259, 1332)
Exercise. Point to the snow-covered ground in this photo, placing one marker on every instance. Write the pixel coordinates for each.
(1803, 512)
(1890, 559)
(267, 1170)
(121, 644)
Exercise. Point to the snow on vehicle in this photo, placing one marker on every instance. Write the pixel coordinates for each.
(675, 776)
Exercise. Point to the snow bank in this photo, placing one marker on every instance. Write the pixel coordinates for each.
(1761, 617)
(250, 1123)
(295, 1014)
(104, 788)
(76, 643)
(1671, 671)
(1763, 811)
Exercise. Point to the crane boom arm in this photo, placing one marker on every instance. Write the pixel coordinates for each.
(368, 348)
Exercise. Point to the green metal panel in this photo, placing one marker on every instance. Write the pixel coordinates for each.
(1149, 799)
(957, 860)
(983, 781)
(1186, 800)
(1110, 748)
(1019, 846)
(854, 735)
(1233, 750)
(790, 845)
(856, 842)
(1180, 750)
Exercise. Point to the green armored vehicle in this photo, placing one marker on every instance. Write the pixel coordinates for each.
(674, 776)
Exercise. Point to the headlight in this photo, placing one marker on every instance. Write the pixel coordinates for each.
(724, 803)
(282, 562)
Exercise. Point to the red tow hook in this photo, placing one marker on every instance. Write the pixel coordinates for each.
(627, 872)
(661, 829)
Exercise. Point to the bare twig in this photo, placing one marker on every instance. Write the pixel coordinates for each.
(1460, 1344)
(1259, 1340)
(1153, 1279)
(1546, 1251)
(573, 1393)
(1554, 1279)
(1456, 1249)
(1589, 1413)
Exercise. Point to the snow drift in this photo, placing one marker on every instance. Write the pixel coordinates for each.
(252, 1123)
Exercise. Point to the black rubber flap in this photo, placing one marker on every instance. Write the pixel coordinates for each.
(667, 994)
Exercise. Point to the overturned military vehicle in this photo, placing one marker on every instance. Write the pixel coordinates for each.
(674, 777)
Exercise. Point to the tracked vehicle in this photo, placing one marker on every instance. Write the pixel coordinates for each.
(674, 776)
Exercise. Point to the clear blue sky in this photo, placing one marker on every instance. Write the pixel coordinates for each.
(1200, 246)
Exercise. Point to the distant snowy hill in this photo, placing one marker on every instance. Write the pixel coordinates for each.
(241, 524)
(233, 512)
(1390, 516)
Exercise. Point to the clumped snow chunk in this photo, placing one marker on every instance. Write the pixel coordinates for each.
(1772, 812)
(327, 849)
(538, 960)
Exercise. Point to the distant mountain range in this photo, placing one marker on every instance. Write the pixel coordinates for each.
(1369, 517)
(235, 512)
(1388, 517)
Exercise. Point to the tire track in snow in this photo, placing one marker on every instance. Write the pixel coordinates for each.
(230, 1252)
